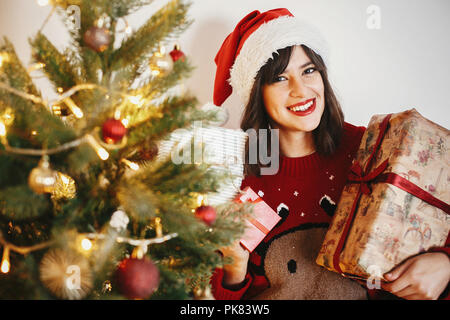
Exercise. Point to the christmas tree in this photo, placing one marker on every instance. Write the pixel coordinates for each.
(89, 207)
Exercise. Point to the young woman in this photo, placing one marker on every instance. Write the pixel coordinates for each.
(277, 65)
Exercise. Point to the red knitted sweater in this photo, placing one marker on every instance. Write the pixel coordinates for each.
(304, 192)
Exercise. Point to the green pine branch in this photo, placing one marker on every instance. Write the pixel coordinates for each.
(156, 86)
(138, 200)
(168, 21)
(13, 71)
(176, 112)
(15, 203)
(58, 69)
(29, 116)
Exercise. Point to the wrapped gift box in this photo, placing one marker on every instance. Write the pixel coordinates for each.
(396, 201)
(262, 220)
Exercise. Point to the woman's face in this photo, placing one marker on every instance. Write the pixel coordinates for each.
(295, 101)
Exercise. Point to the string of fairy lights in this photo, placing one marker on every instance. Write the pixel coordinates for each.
(65, 184)
(7, 118)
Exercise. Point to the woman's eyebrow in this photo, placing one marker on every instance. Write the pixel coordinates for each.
(306, 64)
(302, 66)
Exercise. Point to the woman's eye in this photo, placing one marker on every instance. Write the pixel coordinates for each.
(310, 70)
(280, 78)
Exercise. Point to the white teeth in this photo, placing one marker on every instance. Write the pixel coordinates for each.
(302, 108)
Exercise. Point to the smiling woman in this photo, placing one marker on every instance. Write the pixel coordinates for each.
(278, 66)
(285, 89)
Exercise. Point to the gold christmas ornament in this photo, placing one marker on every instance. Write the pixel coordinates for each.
(64, 187)
(66, 274)
(161, 63)
(203, 293)
(107, 286)
(42, 179)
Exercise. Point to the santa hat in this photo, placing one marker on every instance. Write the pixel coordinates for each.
(256, 37)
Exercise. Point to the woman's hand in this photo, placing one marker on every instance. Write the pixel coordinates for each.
(423, 277)
(234, 273)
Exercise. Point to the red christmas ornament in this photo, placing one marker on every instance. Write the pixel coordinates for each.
(206, 213)
(113, 131)
(177, 54)
(137, 278)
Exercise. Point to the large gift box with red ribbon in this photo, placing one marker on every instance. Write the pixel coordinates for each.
(396, 200)
(261, 221)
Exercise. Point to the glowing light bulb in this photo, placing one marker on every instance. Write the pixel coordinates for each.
(200, 200)
(139, 252)
(158, 227)
(2, 129)
(74, 108)
(101, 152)
(5, 266)
(125, 122)
(8, 117)
(78, 113)
(86, 244)
(36, 66)
(132, 165)
(3, 58)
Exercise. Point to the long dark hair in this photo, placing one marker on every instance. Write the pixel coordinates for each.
(328, 133)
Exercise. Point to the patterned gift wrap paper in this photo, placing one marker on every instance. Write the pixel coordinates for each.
(390, 224)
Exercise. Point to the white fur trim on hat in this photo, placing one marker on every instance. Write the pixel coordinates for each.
(276, 34)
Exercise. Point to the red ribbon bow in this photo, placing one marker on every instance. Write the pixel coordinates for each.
(357, 175)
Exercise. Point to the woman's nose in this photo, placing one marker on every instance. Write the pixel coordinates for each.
(297, 88)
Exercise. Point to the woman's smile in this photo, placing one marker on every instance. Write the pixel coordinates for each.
(303, 108)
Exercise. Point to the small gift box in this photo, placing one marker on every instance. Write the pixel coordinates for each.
(262, 220)
(396, 201)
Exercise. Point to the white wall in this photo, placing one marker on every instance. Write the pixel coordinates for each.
(402, 65)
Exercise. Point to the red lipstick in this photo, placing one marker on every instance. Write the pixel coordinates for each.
(311, 103)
